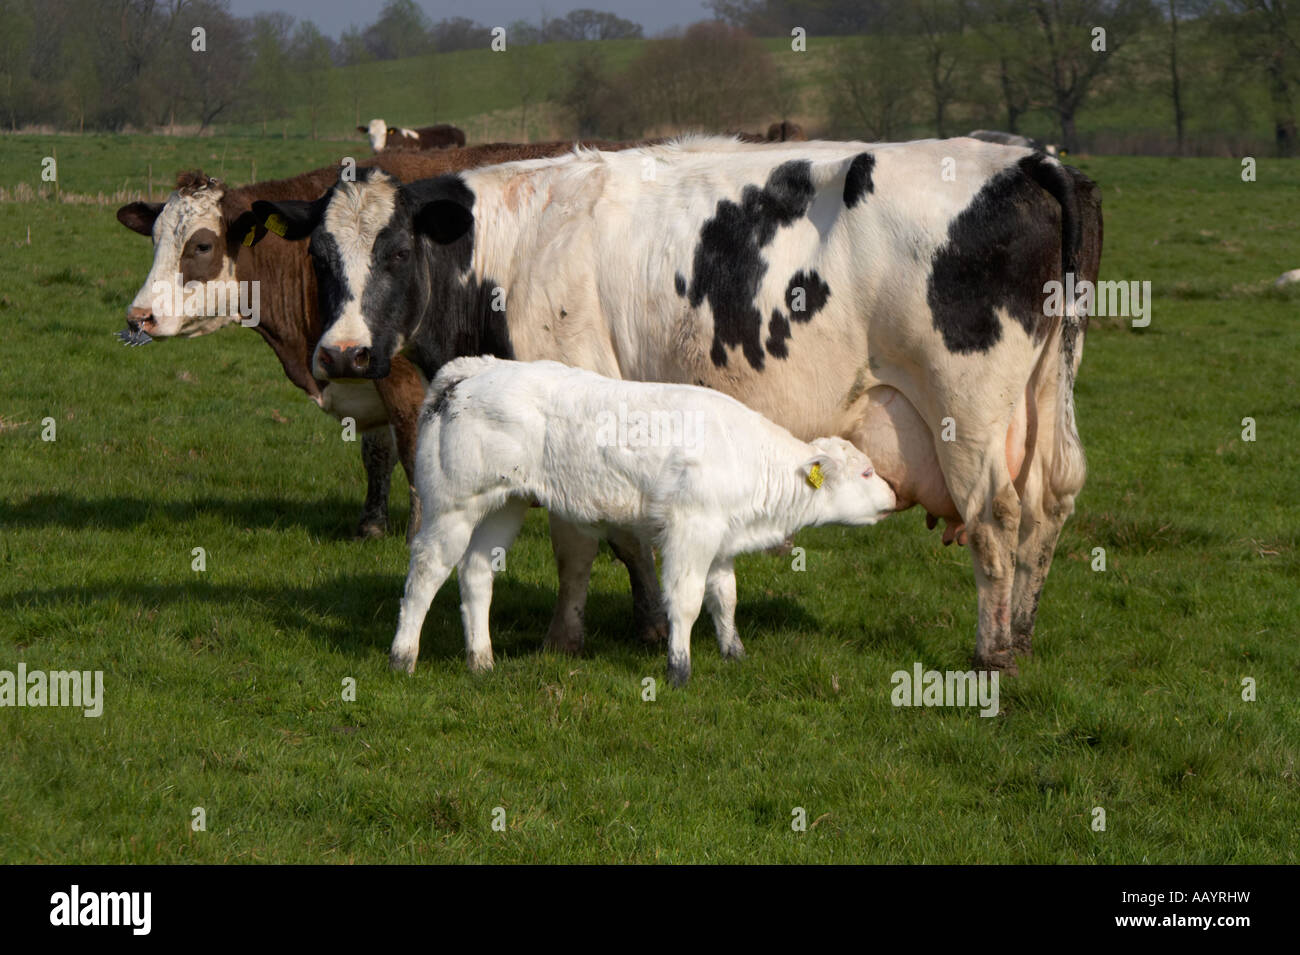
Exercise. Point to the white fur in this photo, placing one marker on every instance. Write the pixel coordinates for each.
(498, 435)
(377, 130)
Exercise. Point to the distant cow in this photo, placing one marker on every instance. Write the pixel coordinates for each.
(385, 138)
(691, 469)
(837, 288)
(785, 132)
(1012, 139)
(199, 234)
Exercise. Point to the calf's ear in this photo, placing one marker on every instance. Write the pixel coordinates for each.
(139, 216)
(291, 219)
(819, 469)
(362, 129)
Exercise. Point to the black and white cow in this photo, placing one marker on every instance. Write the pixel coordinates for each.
(892, 294)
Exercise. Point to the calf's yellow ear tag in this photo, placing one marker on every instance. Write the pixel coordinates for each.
(815, 476)
(275, 224)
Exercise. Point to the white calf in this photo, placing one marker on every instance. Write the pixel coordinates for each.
(696, 472)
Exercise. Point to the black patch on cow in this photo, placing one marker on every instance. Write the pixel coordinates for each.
(778, 333)
(1000, 252)
(679, 283)
(728, 266)
(815, 294)
(857, 183)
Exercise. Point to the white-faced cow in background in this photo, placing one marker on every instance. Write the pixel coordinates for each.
(1012, 139)
(891, 294)
(384, 137)
(706, 479)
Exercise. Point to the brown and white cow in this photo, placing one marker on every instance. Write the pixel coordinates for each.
(893, 294)
(387, 138)
(199, 238)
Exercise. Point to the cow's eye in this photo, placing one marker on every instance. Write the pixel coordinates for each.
(203, 248)
(868, 472)
(399, 255)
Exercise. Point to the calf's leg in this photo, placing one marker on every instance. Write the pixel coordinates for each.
(491, 539)
(720, 598)
(574, 553)
(434, 552)
(378, 456)
(688, 552)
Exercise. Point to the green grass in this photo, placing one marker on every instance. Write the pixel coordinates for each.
(223, 689)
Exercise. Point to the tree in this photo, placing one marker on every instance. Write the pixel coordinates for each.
(871, 91)
(1266, 35)
(269, 74)
(15, 58)
(939, 26)
(352, 51)
(402, 30)
(313, 59)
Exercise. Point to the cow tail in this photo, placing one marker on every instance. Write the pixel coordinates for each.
(1080, 255)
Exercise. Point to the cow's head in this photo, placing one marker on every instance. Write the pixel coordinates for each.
(193, 253)
(383, 253)
(378, 133)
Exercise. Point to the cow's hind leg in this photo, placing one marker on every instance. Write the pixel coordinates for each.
(720, 598)
(491, 539)
(575, 551)
(1042, 516)
(435, 551)
(648, 619)
(990, 506)
(378, 457)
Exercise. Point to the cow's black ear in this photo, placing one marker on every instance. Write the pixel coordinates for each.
(443, 220)
(291, 219)
(139, 216)
(245, 230)
(362, 129)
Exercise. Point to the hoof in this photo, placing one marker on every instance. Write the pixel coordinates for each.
(479, 662)
(1003, 661)
(678, 676)
(653, 631)
(734, 652)
(368, 529)
(564, 639)
(1023, 644)
(401, 663)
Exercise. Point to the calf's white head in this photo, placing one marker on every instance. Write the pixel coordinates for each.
(845, 486)
(188, 289)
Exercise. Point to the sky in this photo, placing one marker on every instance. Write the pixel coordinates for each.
(334, 16)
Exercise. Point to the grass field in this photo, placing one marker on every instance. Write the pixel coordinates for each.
(223, 689)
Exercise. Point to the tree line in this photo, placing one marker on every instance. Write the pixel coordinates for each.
(1174, 76)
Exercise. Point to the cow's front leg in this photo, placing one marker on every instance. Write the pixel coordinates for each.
(402, 393)
(378, 456)
(575, 552)
(648, 619)
(689, 548)
(992, 537)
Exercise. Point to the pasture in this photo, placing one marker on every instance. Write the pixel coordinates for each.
(223, 688)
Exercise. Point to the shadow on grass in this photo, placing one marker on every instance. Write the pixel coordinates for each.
(357, 614)
(330, 517)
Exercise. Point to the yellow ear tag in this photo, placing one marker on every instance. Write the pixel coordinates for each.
(815, 477)
(275, 224)
(248, 238)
